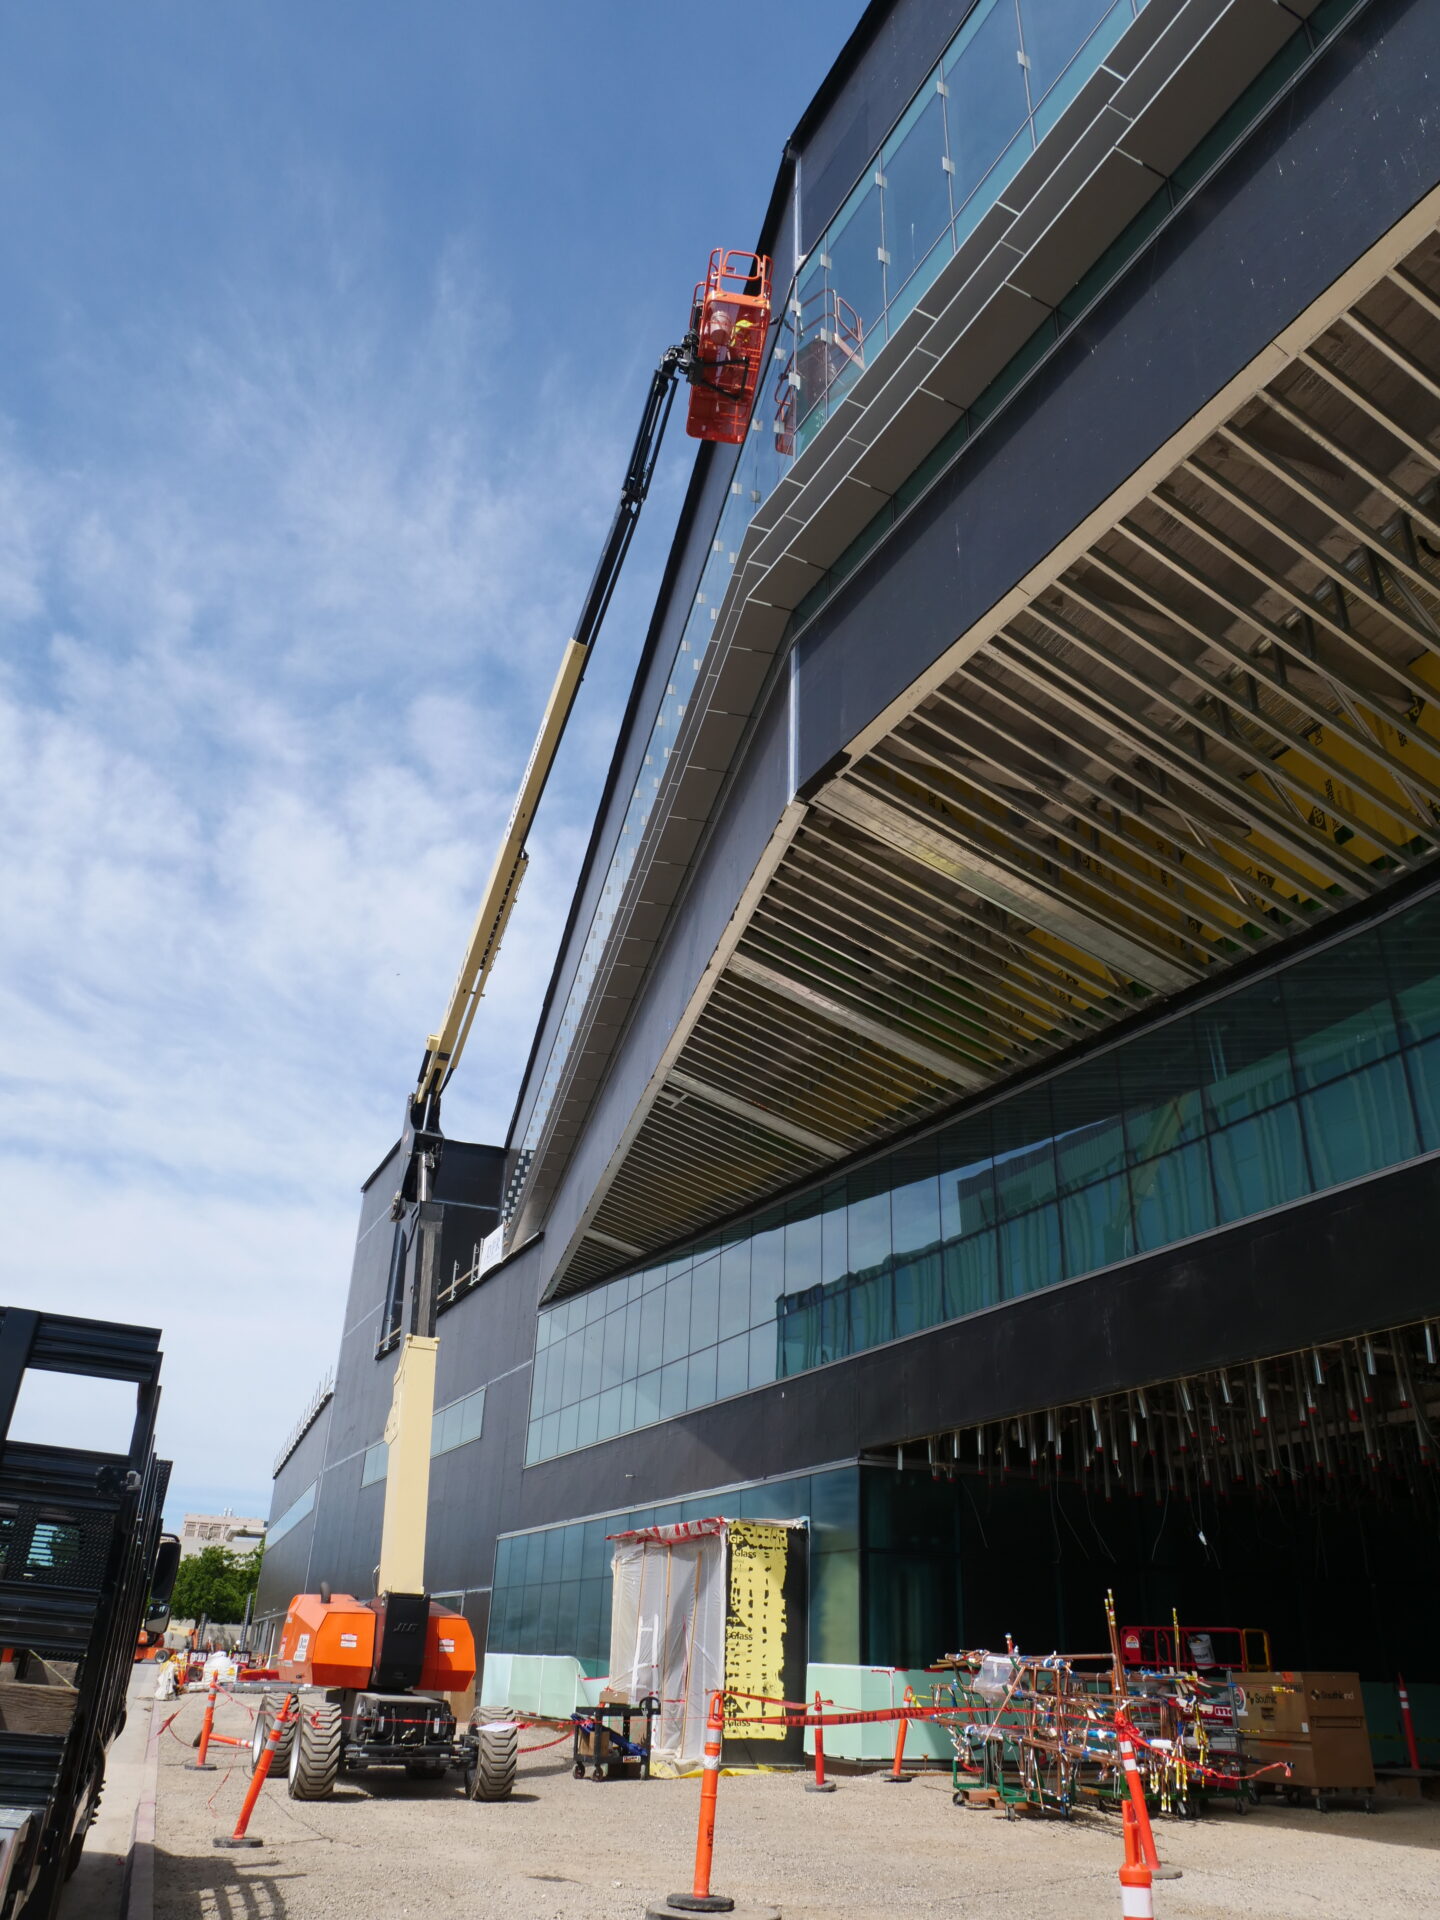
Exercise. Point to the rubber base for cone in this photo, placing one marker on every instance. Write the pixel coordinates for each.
(1167, 1873)
(664, 1912)
(897, 1779)
(229, 1840)
(200, 1766)
(698, 1903)
(819, 1786)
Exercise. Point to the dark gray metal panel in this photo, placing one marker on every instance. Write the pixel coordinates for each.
(1003, 325)
(1354, 146)
(1172, 120)
(1101, 207)
(747, 819)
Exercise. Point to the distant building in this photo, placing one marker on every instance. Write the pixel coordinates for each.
(219, 1530)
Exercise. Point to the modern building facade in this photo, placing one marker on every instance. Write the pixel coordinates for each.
(987, 1102)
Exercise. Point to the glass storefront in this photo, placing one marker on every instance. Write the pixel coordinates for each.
(1321, 1071)
(553, 1586)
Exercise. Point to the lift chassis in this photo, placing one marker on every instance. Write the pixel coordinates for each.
(371, 1684)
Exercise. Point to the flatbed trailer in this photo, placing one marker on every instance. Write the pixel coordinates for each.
(81, 1569)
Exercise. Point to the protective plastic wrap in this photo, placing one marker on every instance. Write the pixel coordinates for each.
(667, 1633)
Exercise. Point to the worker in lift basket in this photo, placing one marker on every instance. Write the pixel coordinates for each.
(727, 338)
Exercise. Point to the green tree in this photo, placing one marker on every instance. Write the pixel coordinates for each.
(215, 1583)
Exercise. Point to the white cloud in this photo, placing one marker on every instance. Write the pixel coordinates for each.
(275, 652)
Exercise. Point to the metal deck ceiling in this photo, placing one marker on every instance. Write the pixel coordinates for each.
(1213, 728)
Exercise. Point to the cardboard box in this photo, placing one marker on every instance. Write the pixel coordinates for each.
(1314, 1722)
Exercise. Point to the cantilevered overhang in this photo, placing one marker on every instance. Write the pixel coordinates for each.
(1205, 723)
(1109, 157)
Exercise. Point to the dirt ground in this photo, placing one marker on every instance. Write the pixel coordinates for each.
(561, 1848)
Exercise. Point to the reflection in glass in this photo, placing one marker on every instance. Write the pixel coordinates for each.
(854, 247)
(1173, 1197)
(917, 187)
(1030, 1251)
(1259, 1163)
(1358, 1125)
(1054, 32)
(987, 103)
(1097, 1225)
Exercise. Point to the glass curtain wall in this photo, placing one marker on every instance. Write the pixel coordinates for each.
(552, 1590)
(997, 89)
(1323, 1071)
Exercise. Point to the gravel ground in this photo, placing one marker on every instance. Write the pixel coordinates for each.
(387, 1846)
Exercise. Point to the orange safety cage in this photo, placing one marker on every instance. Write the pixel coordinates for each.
(1236, 1649)
(730, 319)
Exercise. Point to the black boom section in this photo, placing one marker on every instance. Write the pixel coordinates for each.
(403, 1621)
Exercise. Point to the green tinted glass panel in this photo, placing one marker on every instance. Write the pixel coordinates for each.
(1097, 1226)
(917, 187)
(919, 1293)
(1260, 1163)
(1411, 943)
(1340, 1011)
(1160, 1080)
(1030, 1251)
(1285, 1084)
(1360, 1124)
(987, 102)
(872, 1311)
(836, 1340)
(1172, 1197)
(970, 1274)
(1088, 1118)
(1243, 1052)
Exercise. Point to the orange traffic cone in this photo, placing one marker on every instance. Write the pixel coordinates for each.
(1136, 1900)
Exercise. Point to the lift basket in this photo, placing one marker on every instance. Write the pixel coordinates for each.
(731, 316)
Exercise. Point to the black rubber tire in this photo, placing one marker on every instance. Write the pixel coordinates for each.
(491, 1760)
(265, 1718)
(425, 1769)
(315, 1753)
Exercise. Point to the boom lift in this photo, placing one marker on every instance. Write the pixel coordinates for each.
(381, 1668)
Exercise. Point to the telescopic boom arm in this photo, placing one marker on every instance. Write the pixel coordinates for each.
(445, 1045)
(721, 357)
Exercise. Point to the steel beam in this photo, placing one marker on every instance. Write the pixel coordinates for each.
(953, 856)
(937, 1064)
(756, 1116)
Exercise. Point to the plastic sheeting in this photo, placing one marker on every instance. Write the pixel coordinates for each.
(667, 1633)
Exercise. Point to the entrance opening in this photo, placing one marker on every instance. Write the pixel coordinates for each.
(1298, 1495)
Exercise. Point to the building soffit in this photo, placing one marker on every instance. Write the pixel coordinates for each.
(1204, 724)
(1083, 184)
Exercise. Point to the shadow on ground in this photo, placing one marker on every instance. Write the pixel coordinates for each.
(223, 1883)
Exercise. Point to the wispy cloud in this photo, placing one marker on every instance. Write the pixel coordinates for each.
(273, 650)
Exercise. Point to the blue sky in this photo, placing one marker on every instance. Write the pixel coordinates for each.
(325, 329)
